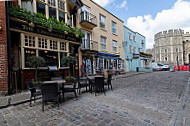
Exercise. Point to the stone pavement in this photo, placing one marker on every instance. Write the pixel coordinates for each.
(152, 99)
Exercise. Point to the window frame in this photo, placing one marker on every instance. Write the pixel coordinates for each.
(114, 27)
(113, 46)
(36, 48)
(103, 44)
(102, 22)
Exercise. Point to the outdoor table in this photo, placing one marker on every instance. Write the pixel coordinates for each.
(93, 77)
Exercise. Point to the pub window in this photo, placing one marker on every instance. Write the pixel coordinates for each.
(43, 1)
(61, 16)
(53, 45)
(40, 8)
(52, 12)
(28, 53)
(63, 46)
(51, 58)
(62, 56)
(42, 43)
(61, 5)
(51, 2)
(27, 5)
(29, 41)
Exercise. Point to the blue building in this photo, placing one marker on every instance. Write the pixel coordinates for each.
(135, 47)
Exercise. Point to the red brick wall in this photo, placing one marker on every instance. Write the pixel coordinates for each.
(3, 50)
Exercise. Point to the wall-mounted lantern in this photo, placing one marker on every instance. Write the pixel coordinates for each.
(1, 29)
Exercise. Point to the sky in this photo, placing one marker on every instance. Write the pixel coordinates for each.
(149, 17)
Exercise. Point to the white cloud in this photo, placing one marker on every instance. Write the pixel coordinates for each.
(122, 5)
(103, 3)
(174, 18)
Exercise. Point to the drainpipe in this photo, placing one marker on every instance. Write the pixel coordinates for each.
(8, 45)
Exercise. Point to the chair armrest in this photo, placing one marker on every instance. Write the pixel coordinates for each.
(31, 88)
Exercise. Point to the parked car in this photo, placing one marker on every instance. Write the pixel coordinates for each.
(156, 66)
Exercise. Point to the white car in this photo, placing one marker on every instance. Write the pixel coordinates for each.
(159, 66)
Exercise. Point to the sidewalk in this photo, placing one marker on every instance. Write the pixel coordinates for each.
(128, 74)
(25, 96)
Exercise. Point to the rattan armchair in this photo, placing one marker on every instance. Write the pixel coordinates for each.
(49, 93)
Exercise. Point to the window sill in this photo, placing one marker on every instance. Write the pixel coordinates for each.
(103, 29)
(115, 34)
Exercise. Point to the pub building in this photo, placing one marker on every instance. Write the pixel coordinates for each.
(30, 38)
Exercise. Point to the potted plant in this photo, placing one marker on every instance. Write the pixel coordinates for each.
(69, 61)
(36, 62)
(69, 79)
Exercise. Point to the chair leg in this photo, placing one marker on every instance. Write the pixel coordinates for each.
(43, 106)
(58, 104)
(30, 101)
(34, 99)
(111, 87)
(75, 94)
(86, 88)
(79, 91)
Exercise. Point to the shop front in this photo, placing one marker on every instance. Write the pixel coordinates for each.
(53, 46)
(109, 63)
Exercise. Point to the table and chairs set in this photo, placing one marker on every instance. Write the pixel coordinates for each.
(54, 90)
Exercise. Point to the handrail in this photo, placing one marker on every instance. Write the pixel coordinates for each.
(88, 44)
(87, 16)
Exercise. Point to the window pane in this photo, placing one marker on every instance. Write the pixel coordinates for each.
(51, 58)
(29, 53)
(61, 5)
(52, 12)
(62, 56)
(61, 16)
(40, 8)
(102, 21)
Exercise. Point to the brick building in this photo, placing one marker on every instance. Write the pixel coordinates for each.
(3, 49)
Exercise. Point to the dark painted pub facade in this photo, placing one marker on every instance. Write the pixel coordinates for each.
(41, 35)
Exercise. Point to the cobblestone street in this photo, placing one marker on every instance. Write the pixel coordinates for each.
(151, 99)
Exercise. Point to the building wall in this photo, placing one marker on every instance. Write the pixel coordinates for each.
(3, 49)
(132, 63)
(168, 46)
(97, 32)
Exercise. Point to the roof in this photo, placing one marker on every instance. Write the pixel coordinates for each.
(106, 10)
(134, 31)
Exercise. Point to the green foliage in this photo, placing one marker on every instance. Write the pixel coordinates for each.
(69, 79)
(36, 82)
(78, 32)
(146, 54)
(68, 61)
(40, 19)
(34, 61)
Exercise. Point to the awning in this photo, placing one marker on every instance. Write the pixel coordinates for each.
(107, 54)
(103, 57)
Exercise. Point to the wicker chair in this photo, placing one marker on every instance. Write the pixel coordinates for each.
(49, 94)
(99, 85)
(71, 88)
(60, 86)
(33, 91)
(108, 81)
